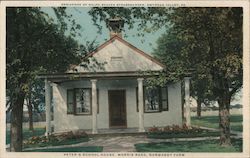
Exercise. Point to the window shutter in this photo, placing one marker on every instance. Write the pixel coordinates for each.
(164, 98)
(70, 101)
(98, 101)
(160, 99)
(137, 106)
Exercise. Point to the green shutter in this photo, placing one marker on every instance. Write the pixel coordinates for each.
(70, 101)
(164, 98)
(98, 106)
(137, 106)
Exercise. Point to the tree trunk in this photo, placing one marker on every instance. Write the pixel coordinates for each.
(16, 123)
(30, 111)
(31, 128)
(224, 118)
(199, 108)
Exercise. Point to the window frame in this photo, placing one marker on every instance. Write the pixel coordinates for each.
(74, 102)
(160, 100)
(90, 97)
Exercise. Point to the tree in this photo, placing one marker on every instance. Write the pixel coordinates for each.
(169, 51)
(35, 99)
(213, 49)
(219, 31)
(35, 44)
(30, 108)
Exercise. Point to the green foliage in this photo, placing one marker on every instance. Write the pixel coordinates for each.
(143, 17)
(37, 95)
(207, 40)
(52, 141)
(35, 44)
(214, 37)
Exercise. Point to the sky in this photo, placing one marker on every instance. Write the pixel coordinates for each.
(89, 31)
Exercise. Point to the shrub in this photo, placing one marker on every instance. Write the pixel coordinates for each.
(80, 134)
(174, 129)
(154, 129)
(54, 138)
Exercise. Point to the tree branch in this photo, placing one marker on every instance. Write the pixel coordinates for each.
(234, 90)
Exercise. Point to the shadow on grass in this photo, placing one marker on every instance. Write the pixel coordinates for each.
(167, 135)
(213, 122)
(190, 146)
(215, 119)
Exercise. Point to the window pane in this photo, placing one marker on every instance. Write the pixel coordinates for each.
(151, 100)
(83, 105)
(70, 101)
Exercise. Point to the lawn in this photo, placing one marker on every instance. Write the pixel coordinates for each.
(27, 134)
(213, 122)
(71, 149)
(167, 135)
(190, 146)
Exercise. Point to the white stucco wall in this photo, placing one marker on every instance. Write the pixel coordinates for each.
(65, 122)
(127, 59)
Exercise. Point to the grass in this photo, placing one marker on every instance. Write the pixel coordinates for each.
(27, 134)
(213, 122)
(190, 146)
(164, 135)
(70, 149)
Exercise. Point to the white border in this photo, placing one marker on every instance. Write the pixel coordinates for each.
(193, 3)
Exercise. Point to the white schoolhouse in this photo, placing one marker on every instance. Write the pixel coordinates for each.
(112, 95)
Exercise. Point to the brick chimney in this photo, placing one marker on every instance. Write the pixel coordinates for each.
(115, 26)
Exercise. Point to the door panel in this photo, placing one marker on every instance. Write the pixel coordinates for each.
(117, 108)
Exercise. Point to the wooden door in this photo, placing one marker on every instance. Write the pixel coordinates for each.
(117, 108)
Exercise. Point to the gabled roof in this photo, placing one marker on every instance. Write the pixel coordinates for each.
(127, 44)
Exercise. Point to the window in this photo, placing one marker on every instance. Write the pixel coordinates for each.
(152, 100)
(155, 99)
(83, 101)
(79, 101)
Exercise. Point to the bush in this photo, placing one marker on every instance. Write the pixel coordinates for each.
(153, 129)
(80, 133)
(55, 138)
(174, 129)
